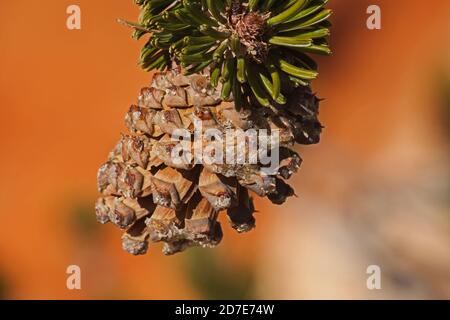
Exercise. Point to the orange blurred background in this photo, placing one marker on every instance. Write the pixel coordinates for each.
(375, 191)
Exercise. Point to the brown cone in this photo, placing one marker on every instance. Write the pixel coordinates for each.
(155, 198)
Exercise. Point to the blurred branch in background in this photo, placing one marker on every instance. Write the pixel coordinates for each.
(82, 223)
(444, 85)
(100, 275)
(215, 278)
(4, 287)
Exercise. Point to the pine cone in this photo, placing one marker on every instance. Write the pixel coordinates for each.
(153, 197)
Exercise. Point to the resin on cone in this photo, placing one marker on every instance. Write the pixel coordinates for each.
(155, 198)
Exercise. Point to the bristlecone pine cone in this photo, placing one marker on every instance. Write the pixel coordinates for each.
(152, 197)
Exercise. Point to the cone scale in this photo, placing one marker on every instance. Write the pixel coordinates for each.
(249, 83)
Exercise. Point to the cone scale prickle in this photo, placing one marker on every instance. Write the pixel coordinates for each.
(225, 64)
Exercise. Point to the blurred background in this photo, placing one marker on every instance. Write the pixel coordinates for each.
(375, 191)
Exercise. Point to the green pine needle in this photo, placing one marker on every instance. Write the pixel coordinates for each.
(246, 44)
